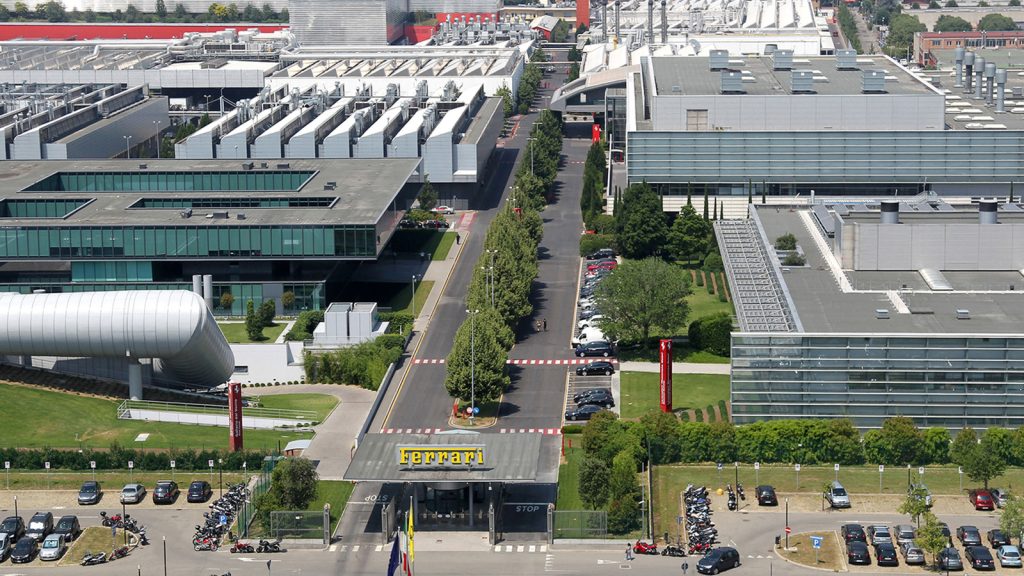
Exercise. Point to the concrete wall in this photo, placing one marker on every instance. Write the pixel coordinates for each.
(155, 78)
(268, 362)
(942, 246)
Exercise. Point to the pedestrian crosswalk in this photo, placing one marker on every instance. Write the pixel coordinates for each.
(411, 430)
(503, 548)
(534, 548)
(551, 431)
(526, 361)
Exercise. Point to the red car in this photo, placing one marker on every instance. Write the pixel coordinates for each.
(982, 500)
(603, 265)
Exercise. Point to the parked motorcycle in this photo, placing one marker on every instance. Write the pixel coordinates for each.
(674, 551)
(242, 548)
(267, 547)
(112, 520)
(91, 559)
(118, 553)
(642, 547)
(200, 544)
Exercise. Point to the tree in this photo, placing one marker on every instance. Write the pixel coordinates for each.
(54, 11)
(936, 445)
(933, 5)
(268, 12)
(952, 4)
(226, 300)
(965, 442)
(252, 322)
(901, 33)
(594, 479)
(785, 242)
(622, 481)
(476, 363)
(21, 10)
(914, 505)
(706, 203)
(161, 9)
(131, 13)
(5, 14)
(427, 195)
(996, 23)
(947, 23)
(179, 11)
(623, 515)
(251, 13)
(506, 100)
(982, 465)
(266, 313)
(292, 487)
(688, 237)
(288, 300)
(1011, 519)
(641, 226)
(89, 15)
(1013, 3)
(930, 537)
(643, 295)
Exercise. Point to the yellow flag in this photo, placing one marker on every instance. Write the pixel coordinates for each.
(409, 531)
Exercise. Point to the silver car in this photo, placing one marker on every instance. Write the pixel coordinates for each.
(53, 547)
(1009, 556)
(1000, 496)
(904, 533)
(133, 493)
(5, 546)
(879, 534)
(912, 555)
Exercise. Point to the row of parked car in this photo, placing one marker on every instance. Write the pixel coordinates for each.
(21, 542)
(165, 492)
(590, 341)
(590, 401)
(886, 542)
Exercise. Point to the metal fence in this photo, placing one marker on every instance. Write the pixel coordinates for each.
(298, 524)
(580, 523)
(260, 486)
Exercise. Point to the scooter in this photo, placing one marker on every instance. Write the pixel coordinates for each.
(242, 548)
(642, 547)
(91, 559)
(739, 490)
(118, 553)
(112, 520)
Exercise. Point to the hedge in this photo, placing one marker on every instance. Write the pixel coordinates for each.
(117, 457)
(362, 365)
(590, 243)
(304, 325)
(712, 333)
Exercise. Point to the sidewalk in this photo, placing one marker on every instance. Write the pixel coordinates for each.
(677, 367)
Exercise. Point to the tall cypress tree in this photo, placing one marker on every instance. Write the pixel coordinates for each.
(714, 209)
(1011, 193)
(764, 192)
(721, 211)
(705, 202)
(750, 191)
(689, 194)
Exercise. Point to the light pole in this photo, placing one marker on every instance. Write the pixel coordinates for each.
(787, 523)
(472, 364)
(489, 286)
(414, 278)
(158, 141)
(128, 147)
(207, 96)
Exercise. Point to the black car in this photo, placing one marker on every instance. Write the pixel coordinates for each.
(577, 398)
(945, 532)
(601, 254)
(603, 399)
(14, 526)
(997, 538)
(718, 560)
(583, 412)
(584, 314)
(199, 491)
(980, 558)
(24, 550)
(40, 525)
(853, 533)
(857, 552)
(949, 559)
(969, 536)
(89, 493)
(596, 367)
(587, 291)
(166, 492)
(69, 527)
(595, 348)
(885, 554)
(766, 496)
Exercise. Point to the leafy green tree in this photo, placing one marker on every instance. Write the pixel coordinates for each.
(574, 72)
(996, 23)
(642, 230)
(268, 12)
(712, 333)
(1011, 518)
(936, 445)
(476, 362)
(21, 10)
(594, 482)
(688, 237)
(226, 300)
(998, 441)
(659, 431)
(253, 327)
(899, 442)
(179, 12)
(292, 487)
(623, 515)
(930, 537)
(506, 100)
(785, 242)
(623, 481)
(266, 313)
(1013, 3)
(161, 9)
(901, 34)
(642, 295)
(947, 23)
(952, 4)
(934, 5)
(132, 14)
(914, 505)
(982, 465)
(288, 300)
(54, 11)
(427, 195)
(605, 436)
(964, 444)
(89, 15)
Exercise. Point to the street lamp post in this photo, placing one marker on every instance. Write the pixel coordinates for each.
(128, 147)
(220, 472)
(158, 140)
(413, 296)
(787, 523)
(472, 364)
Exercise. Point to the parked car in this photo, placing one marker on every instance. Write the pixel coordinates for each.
(912, 554)
(601, 254)
(885, 554)
(69, 527)
(14, 527)
(166, 492)
(857, 552)
(587, 291)
(837, 496)
(1009, 556)
(603, 399)
(587, 304)
(53, 547)
(921, 491)
(199, 491)
(949, 559)
(997, 538)
(442, 209)
(1000, 495)
(981, 500)
(853, 533)
(596, 367)
(579, 396)
(945, 532)
(766, 496)
(602, 265)
(596, 274)
(5, 546)
(968, 536)
(39, 526)
(24, 550)
(879, 534)
(582, 412)
(584, 314)
(89, 493)
(594, 348)
(589, 334)
(904, 533)
(585, 323)
(718, 560)
(133, 493)
(980, 558)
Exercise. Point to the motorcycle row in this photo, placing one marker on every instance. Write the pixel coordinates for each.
(701, 533)
(220, 517)
(126, 523)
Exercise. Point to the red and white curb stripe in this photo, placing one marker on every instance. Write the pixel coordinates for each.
(552, 431)
(527, 362)
(428, 361)
(411, 430)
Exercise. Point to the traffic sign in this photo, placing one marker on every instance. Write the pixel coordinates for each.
(719, 466)
(209, 463)
(757, 465)
(881, 467)
(816, 541)
(959, 469)
(7, 465)
(469, 409)
(131, 464)
(92, 464)
(836, 467)
(920, 470)
(476, 410)
(173, 463)
(46, 465)
(788, 530)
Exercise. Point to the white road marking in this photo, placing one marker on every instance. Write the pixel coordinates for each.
(355, 548)
(508, 548)
(497, 548)
(544, 548)
(333, 548)
(520, 548)
(533, 548)
(379, 547)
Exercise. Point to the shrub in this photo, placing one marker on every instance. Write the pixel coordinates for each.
(304, 325)
(712, 333)
(794, 259)
(602, 224)
(572, 429)
(400, 322)
(785, 242)
(363, 365)
(590, 243)
(713, 263)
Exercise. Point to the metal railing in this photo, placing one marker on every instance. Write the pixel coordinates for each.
(181, 407)
(298, 524)
(580, 523)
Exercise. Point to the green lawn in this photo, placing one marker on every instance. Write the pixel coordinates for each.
(444, 246)
(322, 404)
(410, 242)
(335, 492)
(703, 304)
(640, 392)
(680, 353)
(82, 421)
(236, 334)
(569, 476)
(111, 480)
(394, 295)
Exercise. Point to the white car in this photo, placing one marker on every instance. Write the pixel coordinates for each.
(53, 547)
(592, 321)
(133, 493)
(590, 334)
(443, 210)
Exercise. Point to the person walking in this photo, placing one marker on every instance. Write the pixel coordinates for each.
(685, 567)
(544, 322)
(629, 551)
(458, 239)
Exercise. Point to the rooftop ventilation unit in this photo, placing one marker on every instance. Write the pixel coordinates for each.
(988, 212)
(963, 314)
(846, 59)
(873, 82)
(782, 60)
(718, 60)
(890, 212)
(803, 82)
(882, 314)
(732, 82)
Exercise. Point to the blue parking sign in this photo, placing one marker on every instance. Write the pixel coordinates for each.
(816, 541)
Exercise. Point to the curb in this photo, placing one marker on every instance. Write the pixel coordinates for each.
(842, 563)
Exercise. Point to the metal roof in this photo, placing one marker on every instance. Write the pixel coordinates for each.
(759, 297)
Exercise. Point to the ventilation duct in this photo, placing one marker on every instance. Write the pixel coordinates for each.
(969, 68)
(958, 57)
(1000, 90)
(979, 73)
(664, 22)
(718, 60)
(803, 82)
(988, 212)
(732, 82)
(990, 73)
(782, 60)
(890, 212)
(873, 81)
(846, 59)
(650, 21)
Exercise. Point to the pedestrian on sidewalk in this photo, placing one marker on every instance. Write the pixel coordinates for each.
(544, 323)
(458, 239)
(629, 552)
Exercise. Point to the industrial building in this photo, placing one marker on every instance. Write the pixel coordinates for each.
(901, 309)
(259, 228)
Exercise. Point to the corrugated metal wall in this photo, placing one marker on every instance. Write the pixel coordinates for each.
(319, 22)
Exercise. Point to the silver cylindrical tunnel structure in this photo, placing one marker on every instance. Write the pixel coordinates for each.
(197, 284)
(988, 212)
(890, 213)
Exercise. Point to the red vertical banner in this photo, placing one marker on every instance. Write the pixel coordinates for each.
(665, 357)
(235, 416)
(595, 133)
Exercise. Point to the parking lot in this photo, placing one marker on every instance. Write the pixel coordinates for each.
(576, 384)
